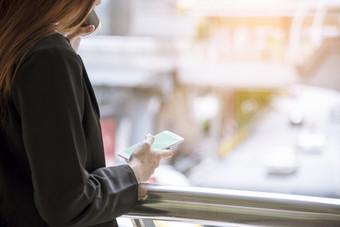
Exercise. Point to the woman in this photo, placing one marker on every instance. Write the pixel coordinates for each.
(51, 153)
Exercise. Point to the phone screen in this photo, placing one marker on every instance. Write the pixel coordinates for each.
(162, 140)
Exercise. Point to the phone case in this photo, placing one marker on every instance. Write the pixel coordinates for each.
(92, 19)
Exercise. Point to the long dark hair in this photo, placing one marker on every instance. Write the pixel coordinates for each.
(23, 23)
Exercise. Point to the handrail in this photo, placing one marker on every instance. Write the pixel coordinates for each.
(221, 207)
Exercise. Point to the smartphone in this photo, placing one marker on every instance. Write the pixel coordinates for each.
(92, 19)
(163, 140)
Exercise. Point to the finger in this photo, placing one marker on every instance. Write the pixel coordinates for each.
(81, 31)
(99, 2)
(164, 153)
(89, 29)
(149, 139)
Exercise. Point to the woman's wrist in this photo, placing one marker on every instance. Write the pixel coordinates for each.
(136, 171)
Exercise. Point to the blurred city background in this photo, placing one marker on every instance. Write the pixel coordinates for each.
(252, 85)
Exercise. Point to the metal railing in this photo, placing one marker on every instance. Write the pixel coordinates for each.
(221, 207)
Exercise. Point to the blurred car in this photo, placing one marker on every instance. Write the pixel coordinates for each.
(282, 161)
(311, 142)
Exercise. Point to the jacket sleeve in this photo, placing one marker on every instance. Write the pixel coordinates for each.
(48, 94)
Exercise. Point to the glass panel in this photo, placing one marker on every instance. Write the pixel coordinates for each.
(252, 86)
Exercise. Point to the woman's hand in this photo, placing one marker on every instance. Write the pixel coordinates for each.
(75, 36)
(144, 161)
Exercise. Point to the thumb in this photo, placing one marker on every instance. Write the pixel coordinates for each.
(149, 139)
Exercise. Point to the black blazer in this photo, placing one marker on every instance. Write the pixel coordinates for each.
(51, 153)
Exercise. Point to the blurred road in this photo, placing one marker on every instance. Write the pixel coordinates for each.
(292, 147)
